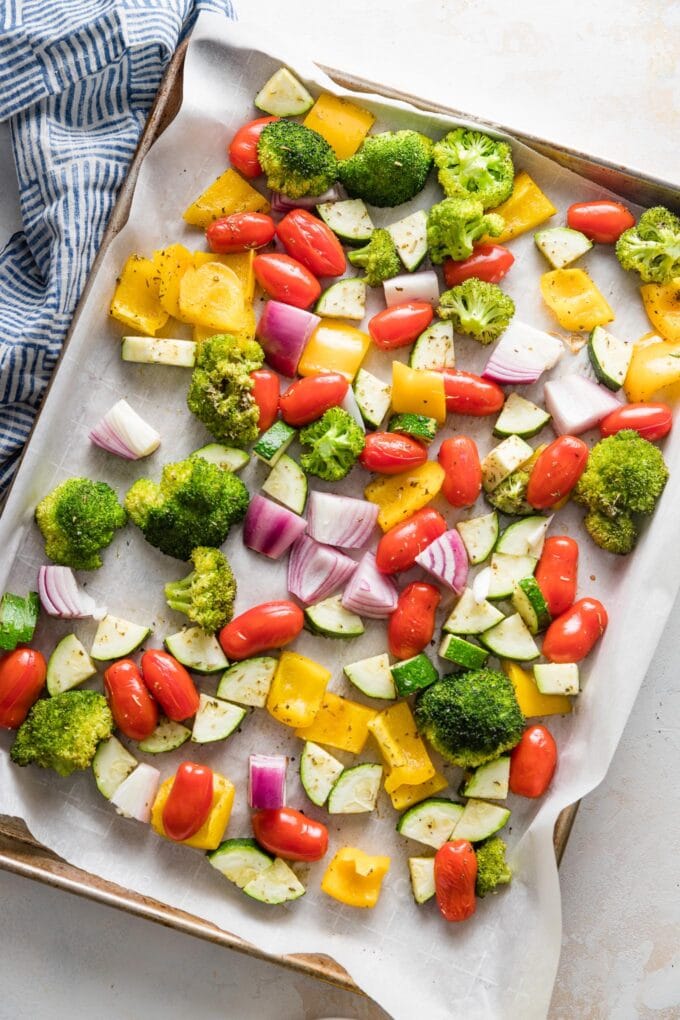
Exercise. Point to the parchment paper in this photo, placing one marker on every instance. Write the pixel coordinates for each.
(502, 963)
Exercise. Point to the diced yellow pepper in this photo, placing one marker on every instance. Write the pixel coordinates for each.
(334, 347)
(245, 329)
(662, 304)
(341, 123)
(405, 796)
(240, 262)
(529, 698)
(210, 834)
(526, 208)
(230, 193)
(171, 262)
(655, 366)
(402, 747)
(574, 300)
(418, 391)
(354, 877)
(297, 690)
(339, 723)
(399, 496)
(212, 296)
(136, 301)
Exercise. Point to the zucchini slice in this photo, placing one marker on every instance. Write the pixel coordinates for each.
(506, 571)
(479, 535)
(505, 458)
(330, 619)
(240, 860)
(562, 245)
(215, 719)
(68, 665)
(197, 650)
(227, 457)
(276, 884)
(557, 677)
(273, 443)
(283, 96)
(410, 239)
(373, 397)
(356, 790)
(480, 820)
(116, 638)
(248, 682)
(111, 764)
(149, 350)
(287, 483)
(417, 425)
(524, 538)
(520, 417)
(610, 358)
(472, 617)
(434, 348)
(431, 822)
(511, 639)
(462, 653)
(349, 220)
(490, 781)
(319, 771)
(413, 674)
(372, 677)
(421, 871)
(167, 736)
(529, 601)
(345, 299)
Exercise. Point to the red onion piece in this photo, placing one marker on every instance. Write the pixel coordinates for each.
(522, 355)
(316, 571)
(267, 781)
(412, 287)
(446, 559)
(271, 529)
(340, 520)
(370, 593)
(283, 332)
(281, 203)
(61, 597)
(125, 433)
(577, 404)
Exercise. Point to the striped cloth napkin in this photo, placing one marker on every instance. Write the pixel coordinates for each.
(77, 80)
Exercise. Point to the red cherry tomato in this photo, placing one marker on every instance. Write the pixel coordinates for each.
(309, 398)
(573, 635)
(400, 325)
(460, 460)
(269, 625)
(265, 393)
(240, 232)
(455, 875)
(243, 147)
(170, 684)
(470, 394)
(602, 221)
(556, 573)
(290, 834)
(651, 421)
(390, 453)
(189, 801)
(312, 243)
(398, 548)
(411, 625)
(285, 279)
(488, 262)
(556, 471)
(22, 678)
(533, 762)
(134, 711)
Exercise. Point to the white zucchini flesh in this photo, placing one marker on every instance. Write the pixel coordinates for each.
(146, 350)
(410, 238)
(525, 537)
(349, 219)
(431, 822)
(319, 771)
(240, 860)
(372, 676)
(345, 299)
(421, 871)
(283, 96)
(480, 820)
(330, 619)
(506, 571)
(276, 884)
(116, 638)
(479, 536)
(287, 483)
(356, 790)
(511, 639)
(167, 736)
(472, 617)
(505, 458)
(248, 682)
(215, 719)
(197, 650)
(373, 397)
(557, 677)
(490, 781)
(68, 665)
(562, 245)
(520, 417)
(112, 764)
(135, 796)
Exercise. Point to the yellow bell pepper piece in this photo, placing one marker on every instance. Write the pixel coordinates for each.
(354, 877)
(529, 698)
(405, 796)
(655, 366)
(526, 208)
(402, 747)
(171, 263)
(136, 301)
(212, 296)
(574, 299)
(210, 834)
(339, 723)
(418, 391)
(399, 496)
(245, 328)
(341, 123)
(297, 690)
(228, 194)
(240, 262)
(662, 304)
(334, 347)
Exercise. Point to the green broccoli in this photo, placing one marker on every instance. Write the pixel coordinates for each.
(472, 163)
(220, 392)
(379, 257)
(454, 225)
(77, 519)
(195, 504)
(207, 594)
(62, 733)
(478, 309)
(652, 246)
(296, 160)
(470, 717)
(335, 442)
(615, 534)
(510, 496)
(389, 168)
(492, 869)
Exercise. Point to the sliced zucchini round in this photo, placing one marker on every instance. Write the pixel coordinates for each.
(215, 719)
(111, 764)
(462, 653)
(490, 781)
(520, 417)
(506, 570)
(421, 870)
(226, 457)
(276, 884)
(434, 348)
(431, 822)
(197, 650)
(480, 820)
(116, 638)
(525, 537)
(167, 736)
(240, 860)
(557, 677)
(349, 220)
(248, 682)
(472, 617)
(562, 245)
(345, 299)
(330, 619)
(529, 601)
(411, 675)
(479, 535)
(68, 665)
(318, 772)
(610, 357)
(356, 790)
(510, 639)
(151, 350)
(287, 483)
(372, 676)
(410, 239)
(283, 96)
(417, 425)
(373, 397)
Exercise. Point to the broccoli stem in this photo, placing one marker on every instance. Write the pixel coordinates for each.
(178, 593)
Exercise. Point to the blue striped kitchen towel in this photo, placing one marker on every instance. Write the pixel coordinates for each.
(77, 79)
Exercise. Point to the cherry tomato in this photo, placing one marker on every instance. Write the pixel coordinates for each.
(189, 801)
(411, 625)
(285, 279)
(651, 421)
(533, 762)
(602, 221)
(573, 635)
(240, 232)
(22, 678)
(312, 243)
(309, 398)
(556, 471)
(269, 625)
(265, 393)
(455, 875)
(470, 394)
(398, 548)
(170, 684)
(556, 573)
(134, 711)
(243, 147)
(400, 325)
(390, 453)
(488, 262)
(288, 833)
(460, 460)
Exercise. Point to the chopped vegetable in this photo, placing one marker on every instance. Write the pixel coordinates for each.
(78, 519)
(574, 299)
(271, 529)
(473, 163)
(478, 309)
(207, 594)
(221, 389)
(125, 433)
(455, 225)
(316, 571)
(389, 168)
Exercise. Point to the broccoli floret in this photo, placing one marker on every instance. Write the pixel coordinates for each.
(389, 168)
(652, 246)
(455, 224)
(624, 474)
(62, 732)
(77, 519)
(492, 869)
(335, 442)
(207, 594)
(478, 309)
(220, 393)
(615, 534)
(296, 160)
(471, 717)
(472, 163)
(510, 496)
(195, 504)
(379, 257)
